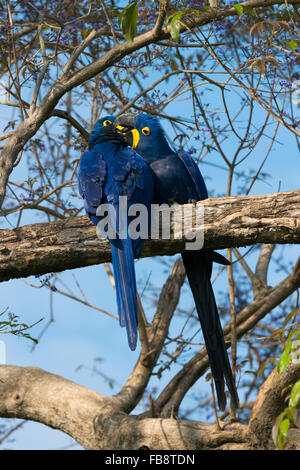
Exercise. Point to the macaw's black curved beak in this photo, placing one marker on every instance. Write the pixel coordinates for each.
(124, 126)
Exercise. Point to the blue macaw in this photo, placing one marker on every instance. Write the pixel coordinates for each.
(108, 170)
(177, 178)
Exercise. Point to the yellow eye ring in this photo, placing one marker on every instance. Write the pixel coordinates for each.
(146, 131)
(107, 122)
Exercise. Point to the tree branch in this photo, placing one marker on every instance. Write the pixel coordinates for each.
(65, 115)
(72, 243)
(36, 395)
(95, 421)
(263, 262)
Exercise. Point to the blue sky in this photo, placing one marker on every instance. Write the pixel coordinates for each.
(79, 334)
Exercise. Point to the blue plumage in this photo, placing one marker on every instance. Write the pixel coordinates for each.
(108, 170)
(194, 173)
(177, 178)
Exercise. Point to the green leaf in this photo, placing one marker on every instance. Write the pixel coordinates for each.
(297, 310)
(292, 45)
(292, 414)
(285, 358)
(169, 19)
(208, 377)
(85, 33)
(238, 8)
(284, 427)
(176, 15)
(264, 364)
(175, 29)
(175, 26)
(26, 335)
(295, 394)
(276, 427)
(295, 332)
(128, 19)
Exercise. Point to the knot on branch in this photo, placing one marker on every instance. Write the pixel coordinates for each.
(17, 397)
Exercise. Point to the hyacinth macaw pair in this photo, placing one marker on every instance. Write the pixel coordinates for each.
(130, 156)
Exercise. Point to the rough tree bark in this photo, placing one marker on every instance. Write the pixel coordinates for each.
(98, 422)
(72, 243)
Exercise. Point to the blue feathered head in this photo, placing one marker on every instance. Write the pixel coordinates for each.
(103, 131)
(145, 134)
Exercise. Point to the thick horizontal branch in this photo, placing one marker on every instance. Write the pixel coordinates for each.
(96, 422)
(73, 243)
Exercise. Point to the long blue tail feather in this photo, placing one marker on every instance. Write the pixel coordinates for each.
(198, 267)
(123, 266)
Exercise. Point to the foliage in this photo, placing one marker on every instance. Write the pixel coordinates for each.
(13, 326)
(291, 353)
(223, 87)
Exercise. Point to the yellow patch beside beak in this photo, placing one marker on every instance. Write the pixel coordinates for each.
(136, 138)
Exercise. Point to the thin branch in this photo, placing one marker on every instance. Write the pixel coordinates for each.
(263, 262)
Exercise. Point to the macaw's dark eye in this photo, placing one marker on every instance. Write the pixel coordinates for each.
(146, 131)
(106, 122)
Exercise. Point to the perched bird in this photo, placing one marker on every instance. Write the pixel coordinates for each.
(177, 178)
(108, 170)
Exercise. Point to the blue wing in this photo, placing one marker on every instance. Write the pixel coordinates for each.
(194, 172)
(92, 176)
(201, 189)
(198, 267)
(129, 175)
(106, 173)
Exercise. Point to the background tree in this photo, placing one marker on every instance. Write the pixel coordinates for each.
(224, 81)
